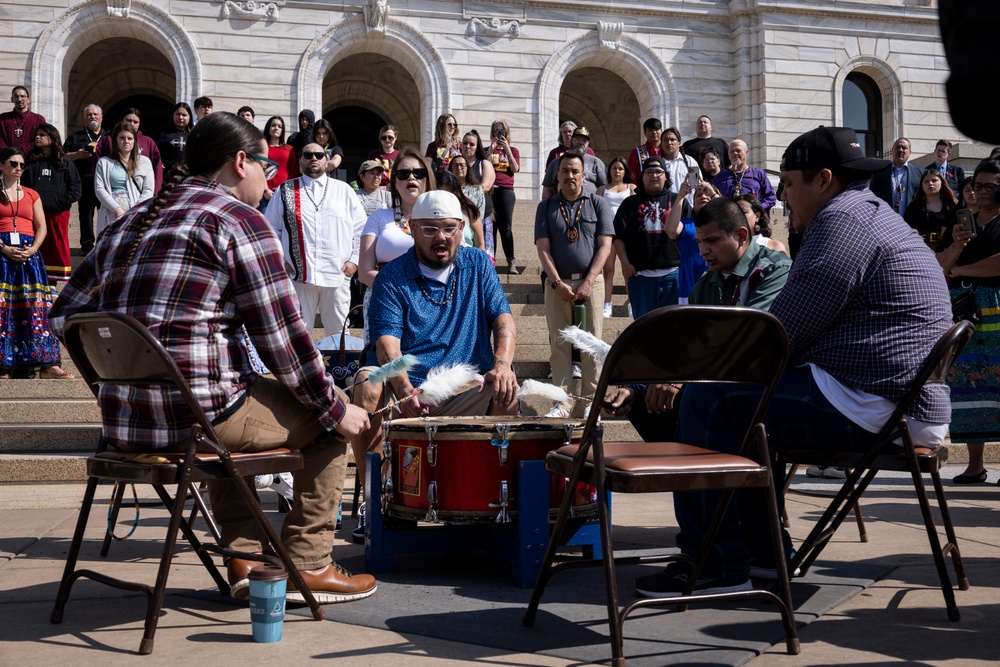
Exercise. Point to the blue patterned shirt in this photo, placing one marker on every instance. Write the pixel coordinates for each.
(866, 301)
(458, 331)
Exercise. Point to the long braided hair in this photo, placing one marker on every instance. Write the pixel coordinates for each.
(213, 142)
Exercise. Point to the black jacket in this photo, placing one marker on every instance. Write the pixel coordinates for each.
(57, 188)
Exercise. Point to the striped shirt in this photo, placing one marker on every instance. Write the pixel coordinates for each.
(866, 301)
(208, 266)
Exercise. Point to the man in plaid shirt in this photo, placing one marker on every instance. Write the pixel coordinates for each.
(864, 303)
(201, 268)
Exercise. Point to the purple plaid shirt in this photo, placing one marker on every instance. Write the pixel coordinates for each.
(207, 267)
(866, 301)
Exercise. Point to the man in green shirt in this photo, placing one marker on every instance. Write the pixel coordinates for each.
(741, 271)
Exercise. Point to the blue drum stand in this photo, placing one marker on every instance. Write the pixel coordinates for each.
(521, 543)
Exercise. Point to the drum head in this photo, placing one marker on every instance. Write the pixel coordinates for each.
(475, 428)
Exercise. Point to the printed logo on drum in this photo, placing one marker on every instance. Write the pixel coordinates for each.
(409, 472)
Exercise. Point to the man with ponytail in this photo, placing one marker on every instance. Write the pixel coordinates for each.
(201, 268)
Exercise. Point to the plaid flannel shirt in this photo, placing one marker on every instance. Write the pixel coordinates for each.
(866, 300)
(208, 266)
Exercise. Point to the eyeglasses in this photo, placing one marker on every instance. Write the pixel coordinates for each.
(15, 164)
(269, 166)
(451, 124)
(387, 137)
(988, 188)
(654, 172)
(430, 231)
(460, 165)
(404, 174)
(313, 155)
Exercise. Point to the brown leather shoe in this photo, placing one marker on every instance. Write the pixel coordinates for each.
(238, 572)
(333, 584)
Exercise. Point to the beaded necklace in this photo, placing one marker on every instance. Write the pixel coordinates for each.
(401, 222)
(326, 184)
(572, 233)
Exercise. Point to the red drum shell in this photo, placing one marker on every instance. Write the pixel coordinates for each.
(468, 472)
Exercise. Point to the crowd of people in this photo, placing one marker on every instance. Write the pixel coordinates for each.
(284, 239)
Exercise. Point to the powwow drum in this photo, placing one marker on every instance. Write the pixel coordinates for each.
(465, 469)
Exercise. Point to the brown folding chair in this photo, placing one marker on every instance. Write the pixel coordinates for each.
(886, 454)
(114, 348)
(687, 344)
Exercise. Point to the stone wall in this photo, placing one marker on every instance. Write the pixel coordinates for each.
(764, 70)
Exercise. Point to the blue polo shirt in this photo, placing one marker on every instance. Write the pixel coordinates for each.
(459, 331)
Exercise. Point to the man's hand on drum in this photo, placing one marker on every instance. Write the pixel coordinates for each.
(354, 422)
(660, 397)
(504, 383)
(619, 401)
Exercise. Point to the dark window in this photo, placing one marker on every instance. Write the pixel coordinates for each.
(863, 112)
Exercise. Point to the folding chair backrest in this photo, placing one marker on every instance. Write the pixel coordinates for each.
(688, 344)
(934, 370)
(115, 348)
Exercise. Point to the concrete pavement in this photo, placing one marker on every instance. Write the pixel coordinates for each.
(899, 620)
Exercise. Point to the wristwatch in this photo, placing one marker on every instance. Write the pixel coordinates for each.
(555, 283)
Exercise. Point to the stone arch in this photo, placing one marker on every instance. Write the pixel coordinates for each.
(87, 23)
(401, 42)
(889, 85)
(633, 61)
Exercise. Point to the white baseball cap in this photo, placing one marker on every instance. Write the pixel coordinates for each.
(437, 205)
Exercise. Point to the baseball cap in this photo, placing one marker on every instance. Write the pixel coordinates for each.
(437, 205)
(368, 165)
(654, 161)
(581, 132)
(827, 147)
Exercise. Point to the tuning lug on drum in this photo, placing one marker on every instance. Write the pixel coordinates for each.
(503, 516)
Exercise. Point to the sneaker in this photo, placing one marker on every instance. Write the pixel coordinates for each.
(263, 481)
(577, 373)
(556, 411)
(815, 471)
(763, 568)
(511, 269)
(358, 535)
(672, 581)
(607, 310)
(834, 473)
(332, 584)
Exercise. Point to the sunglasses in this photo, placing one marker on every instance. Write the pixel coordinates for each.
(387, 137)
(404, 174)
(313, 155)
(15, 164)
(269, 166)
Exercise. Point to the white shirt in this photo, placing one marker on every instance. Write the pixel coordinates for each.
(331, 222)
(390, 240)
(678, 169)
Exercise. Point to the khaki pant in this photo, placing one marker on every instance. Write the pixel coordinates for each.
(269, 418)
(559, 315)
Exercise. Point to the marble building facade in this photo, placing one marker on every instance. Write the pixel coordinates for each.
(764, 70)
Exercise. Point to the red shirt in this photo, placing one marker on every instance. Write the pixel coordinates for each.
(635, 164)
(505, 177)
(24, 209)
(288, 166)
(11, 122)
(386, 160)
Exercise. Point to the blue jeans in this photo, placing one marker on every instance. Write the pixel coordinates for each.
(715, 416)
(646, 294)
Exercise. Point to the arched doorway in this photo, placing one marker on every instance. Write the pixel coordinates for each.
(863, 111)
(118, 73)
(357, 132)
(606, 105)
(363, 92)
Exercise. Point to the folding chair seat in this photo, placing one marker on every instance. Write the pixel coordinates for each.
(686, 344)
(113, 348)
(894, 450)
